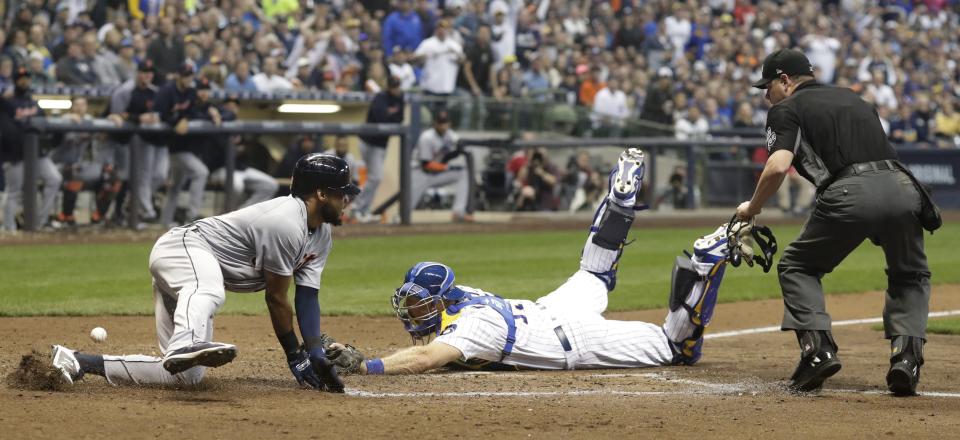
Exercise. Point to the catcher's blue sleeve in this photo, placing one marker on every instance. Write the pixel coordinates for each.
(308, 317)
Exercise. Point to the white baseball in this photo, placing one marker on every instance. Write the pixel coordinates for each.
(98, 334)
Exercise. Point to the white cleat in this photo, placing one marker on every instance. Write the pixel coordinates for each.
(713, 247)
(626, 179)
(66, 362)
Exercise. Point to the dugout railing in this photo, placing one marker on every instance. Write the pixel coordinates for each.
(38, 125)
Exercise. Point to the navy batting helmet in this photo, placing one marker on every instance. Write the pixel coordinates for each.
(322, 171)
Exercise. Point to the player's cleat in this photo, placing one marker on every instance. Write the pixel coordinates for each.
(905, 362)
(626, 179)
(66, 362)
(207, 354)
(712, 248)
(818, 361)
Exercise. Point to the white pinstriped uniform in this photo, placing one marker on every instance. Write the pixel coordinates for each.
(480, 332)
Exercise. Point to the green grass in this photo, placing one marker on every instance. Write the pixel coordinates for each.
(362, 273)
(947, 326)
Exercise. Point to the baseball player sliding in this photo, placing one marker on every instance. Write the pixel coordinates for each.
(565, 329)
(265, 246)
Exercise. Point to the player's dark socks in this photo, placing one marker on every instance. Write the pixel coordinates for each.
(69, 202)
(91, 363)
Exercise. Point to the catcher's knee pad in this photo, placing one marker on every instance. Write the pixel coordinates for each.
(693, 295)
(608, 236)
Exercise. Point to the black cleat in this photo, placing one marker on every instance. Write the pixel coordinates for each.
(818, 360)
(905, 361)
(207, 354)
(811, 372)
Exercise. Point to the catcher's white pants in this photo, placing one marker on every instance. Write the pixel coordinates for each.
(597, 342)
(187, 290)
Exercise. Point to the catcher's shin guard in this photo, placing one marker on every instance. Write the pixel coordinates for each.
(693, 295)
(608, 236)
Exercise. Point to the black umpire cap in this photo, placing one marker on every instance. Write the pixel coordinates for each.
(322, 171)
(789, 61)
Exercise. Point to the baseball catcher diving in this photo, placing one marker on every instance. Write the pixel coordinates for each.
(266, 246)
(565, 329)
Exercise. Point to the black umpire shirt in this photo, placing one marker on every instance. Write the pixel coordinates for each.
(833, 122)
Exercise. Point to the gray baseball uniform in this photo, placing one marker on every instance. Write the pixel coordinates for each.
(433, 147)
(13, 180)
(193, 265)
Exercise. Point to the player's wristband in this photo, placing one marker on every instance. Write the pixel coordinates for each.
(289, 342)
(375, 366)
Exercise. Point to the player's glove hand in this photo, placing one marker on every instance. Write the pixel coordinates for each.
(326, 372)
(303, 369)
(346, 358)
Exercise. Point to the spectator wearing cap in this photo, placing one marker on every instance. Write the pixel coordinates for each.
(15, 109)
(400, 67)
(185, 152)
(134, 102)
(166, 51)
(476, 74)
(402, 28)
(441, 56)
(126, 63)
(386, 108)
(269, 79)
(432, 168)
(504, 30)
(76, 68)
(658, 105)
(240, 79)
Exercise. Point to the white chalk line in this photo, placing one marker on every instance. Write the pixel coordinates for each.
(708, 388)
(771, 329)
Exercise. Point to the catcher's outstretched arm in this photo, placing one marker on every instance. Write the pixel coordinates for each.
(413, 360)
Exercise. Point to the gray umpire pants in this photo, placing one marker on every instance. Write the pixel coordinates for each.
(185, 166)
(373, 157)
(13, 181)
(879, 205)
(187, 291)
(420, 181)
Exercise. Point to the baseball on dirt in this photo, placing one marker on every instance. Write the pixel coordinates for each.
(98, 334)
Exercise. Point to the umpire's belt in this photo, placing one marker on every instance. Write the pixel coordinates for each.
(863, 167)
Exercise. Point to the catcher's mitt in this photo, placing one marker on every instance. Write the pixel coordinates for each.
(345, 357)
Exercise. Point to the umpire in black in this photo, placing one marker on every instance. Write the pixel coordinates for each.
(834, 139)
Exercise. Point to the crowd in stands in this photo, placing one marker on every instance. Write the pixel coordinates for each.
(654, 67)
(621, 60)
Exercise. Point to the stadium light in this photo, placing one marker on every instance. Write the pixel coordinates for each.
(308, 108)
(54, 104)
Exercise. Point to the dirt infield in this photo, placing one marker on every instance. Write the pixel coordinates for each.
(734, 392)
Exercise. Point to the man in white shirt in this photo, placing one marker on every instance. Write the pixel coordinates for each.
(822, 52)
(693, 126)
(610, 106)
(269, 79)
(441, 57)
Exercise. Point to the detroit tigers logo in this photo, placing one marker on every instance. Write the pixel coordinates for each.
(771, 138)
(303, 261)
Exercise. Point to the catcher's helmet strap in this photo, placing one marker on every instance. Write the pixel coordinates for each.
(496, 303)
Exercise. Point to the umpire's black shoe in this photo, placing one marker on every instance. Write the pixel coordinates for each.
(818, 360)
(905, 361)
(207, 354)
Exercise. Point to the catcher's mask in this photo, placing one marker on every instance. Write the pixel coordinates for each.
(416, 301)
(741, 238)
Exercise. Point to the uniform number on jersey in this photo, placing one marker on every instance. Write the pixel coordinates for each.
(519, 308)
